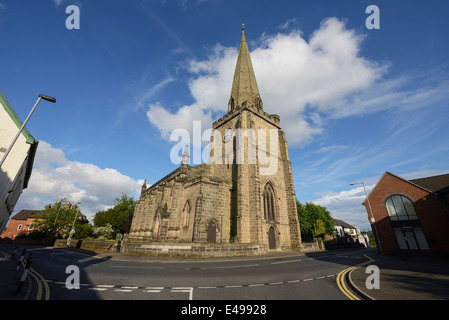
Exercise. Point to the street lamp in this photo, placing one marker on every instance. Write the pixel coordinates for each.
(41, 96)
(371, 211)
(73, 225)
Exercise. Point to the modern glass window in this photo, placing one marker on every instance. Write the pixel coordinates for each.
(405, 223)
(400, 208)
(411, 238)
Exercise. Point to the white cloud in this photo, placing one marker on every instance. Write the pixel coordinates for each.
(304, 82)
(287, 24)
(58, 2)
(184, 117)
(54, 177)
(2, 8)
(347, 206)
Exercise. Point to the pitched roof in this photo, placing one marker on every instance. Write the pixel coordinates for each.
(26, 214)
(12, 114)
(437, 184)
(244, 85)
(342, 223)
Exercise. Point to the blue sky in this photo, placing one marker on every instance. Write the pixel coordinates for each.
(353, 102)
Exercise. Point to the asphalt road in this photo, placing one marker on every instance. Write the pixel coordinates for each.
(289, 277)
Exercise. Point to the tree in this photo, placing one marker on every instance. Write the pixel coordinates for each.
(119, 216)
(57, 219)
(314, 220)
(104, 232)
(318, 228)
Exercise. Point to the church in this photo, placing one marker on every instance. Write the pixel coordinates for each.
(244, 194)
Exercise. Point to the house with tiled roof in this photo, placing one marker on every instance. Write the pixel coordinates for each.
(22, 222)
(349, 233)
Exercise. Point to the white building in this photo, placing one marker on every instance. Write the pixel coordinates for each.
(349, 233)
(16, 170)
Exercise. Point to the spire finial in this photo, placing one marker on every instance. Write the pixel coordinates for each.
(185, 156)
(243, 27)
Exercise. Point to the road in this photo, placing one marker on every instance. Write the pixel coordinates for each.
(279, 277)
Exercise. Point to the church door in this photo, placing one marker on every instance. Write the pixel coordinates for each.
(212, 232)
(271, 239)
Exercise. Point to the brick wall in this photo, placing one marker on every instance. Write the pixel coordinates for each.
(432, 215)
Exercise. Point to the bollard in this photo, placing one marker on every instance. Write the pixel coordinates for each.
(19, 262)
(14, 253)
(24, 273)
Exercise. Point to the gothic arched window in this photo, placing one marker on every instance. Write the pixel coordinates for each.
(269, 203)
(186, 213)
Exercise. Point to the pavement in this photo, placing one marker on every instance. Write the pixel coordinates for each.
(10, 278)
(399, 277)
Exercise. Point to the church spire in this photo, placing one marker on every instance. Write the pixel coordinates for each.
(244, 85)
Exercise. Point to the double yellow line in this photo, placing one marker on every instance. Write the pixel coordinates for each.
(341, 282)
(43, 290)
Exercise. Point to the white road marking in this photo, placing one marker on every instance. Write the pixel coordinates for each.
(189, 290)
(289, 261)
(184, 289)
(105, 286)
(131, 267)
(230, 267)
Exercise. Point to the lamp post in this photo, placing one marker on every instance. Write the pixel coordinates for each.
(372, 217)
(73, 225)
(41, 96)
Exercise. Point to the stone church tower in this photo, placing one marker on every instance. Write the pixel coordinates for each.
(243, 195)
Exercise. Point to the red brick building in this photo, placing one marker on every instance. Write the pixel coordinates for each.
(411, 216)
(22, 222)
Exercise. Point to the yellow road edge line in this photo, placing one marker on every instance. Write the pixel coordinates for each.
(39, 286)
(340, 278)
(40, 279)
(342, 286)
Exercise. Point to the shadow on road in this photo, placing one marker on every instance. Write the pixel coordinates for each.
(55, 265)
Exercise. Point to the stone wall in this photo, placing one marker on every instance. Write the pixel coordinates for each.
(192, 250)
(88, 244)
